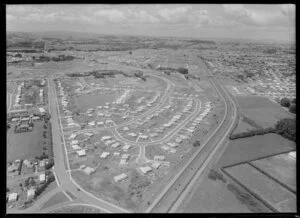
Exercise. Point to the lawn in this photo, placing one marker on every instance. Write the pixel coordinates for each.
(58, 198)
(255, 147)
(260, 184)
(25, 145)
(280, 167)
(86, 101)
(77, 209)
(261, 110)
(214, 197)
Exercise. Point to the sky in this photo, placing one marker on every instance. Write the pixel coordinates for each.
(244, 21)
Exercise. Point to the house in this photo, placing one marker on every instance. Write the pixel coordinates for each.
(109, 142)
(74, 142)
(172, 144)
(89, 134)
(81, 153)
(30, 194)
(104, 155)
(72, 136)
(126, 156)
(104, 138)
(12, 197)
(145, 169)
(159, 158)
(42, 163)
(115, 145)
(116, 153)
(132, 134)
(89, 170)
(126, 147)
(165, 148)
(42, 110)
(156, 165)
(100, 123)
(92, 123)
(144, 136)
(153, 135)
(292, 154)
(123, 162)
(120, 177)
(178, 140)
(76, 147)
(125, 128)
(42, 177)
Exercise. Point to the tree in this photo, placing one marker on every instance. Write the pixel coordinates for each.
(26, 183)
(293, 101)
(292, 108)
(285, 102)
(196, 143)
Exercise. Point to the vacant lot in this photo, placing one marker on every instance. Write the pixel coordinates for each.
(214, 197)
(261, 110)
(86, 101)
(25, 145)
(280, 167)
(58, 198)
(77, 209)
(260, 184)
(248, 149)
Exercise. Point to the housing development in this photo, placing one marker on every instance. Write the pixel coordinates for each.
(130, 124)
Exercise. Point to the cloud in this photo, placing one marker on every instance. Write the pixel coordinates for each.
(174, 15)
(145, 17)
(111, 15)
(253, 17)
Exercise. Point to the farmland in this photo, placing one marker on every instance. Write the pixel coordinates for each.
(248, 149)
(262, 186)
(261, 110)
(77, 209)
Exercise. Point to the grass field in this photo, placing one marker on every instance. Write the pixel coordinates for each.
(25, 145)
(248, 149)
(77, 209)
(280, 167)
(263, 186)
(214, 197)
(86, 101)
(58, 198)
(261, 110)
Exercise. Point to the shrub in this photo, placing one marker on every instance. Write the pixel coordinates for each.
(214, 175)
(183, 70)
(196, 143)
(292, 108)
(285, 102)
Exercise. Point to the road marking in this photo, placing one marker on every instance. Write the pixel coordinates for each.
(68, 196)
(56, 179)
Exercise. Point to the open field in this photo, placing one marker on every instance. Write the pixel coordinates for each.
(214, 197)
(77, 209)
(25, 145)
(281, 167)
(264, 187)
(58, 198)
(248, 149)
(261, 110)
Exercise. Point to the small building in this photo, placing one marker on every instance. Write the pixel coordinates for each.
(72, 136)
(42, 177)
(156, 165)
(109, 142)
(123, 162)
(159, 158)
(13, 197)
(100, 123)
(292, 154)
(42, 163)
(116, 153)
(76, 147)
(89, 170)
(126, 147)
(89, 134)
(132, 134)
(30, 194)
(81, 153)
(120, 177)
(153, 135)
(104, 138)
(74, 142)
(115, 145)
(104, 155)
(144, 136)
(125, 128)
(81, 167)
(172, 144)
(42, 110)
(145, 169)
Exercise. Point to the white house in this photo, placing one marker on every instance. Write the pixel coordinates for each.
(104, 155)
(145, 169)
(104, 138)
(115, 145)
(126, 147)
(81, 153)
(42, 177)
(30, 193)
(120, 177)
(89, 170)
(156, 165)
(72, 136)
(12, 197)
